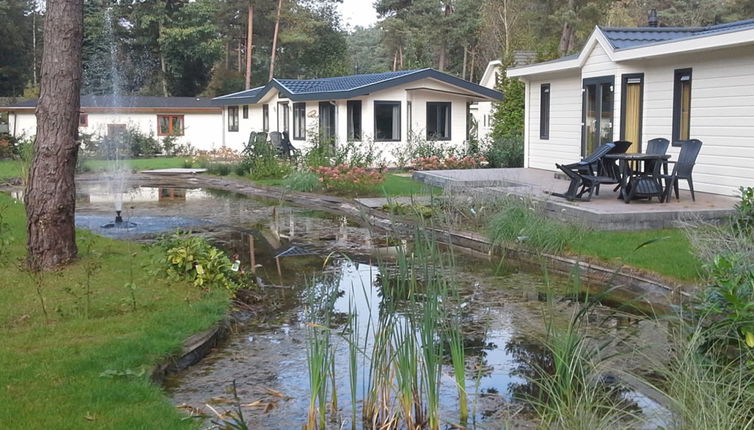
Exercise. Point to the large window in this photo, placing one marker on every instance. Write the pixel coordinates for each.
(265, 118)
(245, 111)
(170, 125)
(354, 120)
(682, 104)
(438, 120)
(544, 111)
(232, 118)
(299, 121)
(283, 116)
(387, 121)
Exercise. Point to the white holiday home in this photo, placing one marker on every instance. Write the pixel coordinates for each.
(388, 108)
(193, 120)
(636, 84)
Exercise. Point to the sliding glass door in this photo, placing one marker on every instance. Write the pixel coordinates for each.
(597, 113)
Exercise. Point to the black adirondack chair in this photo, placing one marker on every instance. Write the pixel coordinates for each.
(683, 168)
(584, 174)
(658, 145)
(248, 149)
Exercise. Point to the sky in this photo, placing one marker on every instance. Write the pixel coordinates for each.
(358, 12)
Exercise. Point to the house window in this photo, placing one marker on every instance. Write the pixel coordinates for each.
(265, 118)
(682, 104)
(232, 118)
(83, 120)
(544, 111)
(170, 125)
(438, 120)
(299, 121)
(245, 111)
(354, 120)
(387, 121)
(283, 115)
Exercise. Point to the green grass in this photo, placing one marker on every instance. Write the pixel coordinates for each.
(12, 168)
(137, 163)
(671, 255)
(51, 371)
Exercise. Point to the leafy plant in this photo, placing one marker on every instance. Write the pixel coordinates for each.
(192, 258)
(437, 163)
(726, 307)
(262, 162)
(743, 220)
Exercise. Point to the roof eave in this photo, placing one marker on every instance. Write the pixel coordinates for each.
(695, 43)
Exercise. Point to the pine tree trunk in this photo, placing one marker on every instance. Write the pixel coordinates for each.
(163, 67)
(275, 41)
(50, 192)
(249, 44)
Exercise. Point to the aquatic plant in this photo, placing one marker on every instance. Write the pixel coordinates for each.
(192, 258)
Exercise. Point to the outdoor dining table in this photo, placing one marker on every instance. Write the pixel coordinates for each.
(634, 174)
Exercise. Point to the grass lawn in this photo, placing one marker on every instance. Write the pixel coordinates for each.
(12, 168)
(671, 255)
(51, 372)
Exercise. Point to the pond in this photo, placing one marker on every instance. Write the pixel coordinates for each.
(309, 264)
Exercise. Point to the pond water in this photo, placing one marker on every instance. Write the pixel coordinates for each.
(500, 312)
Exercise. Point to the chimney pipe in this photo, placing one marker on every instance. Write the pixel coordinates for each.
(652, 19)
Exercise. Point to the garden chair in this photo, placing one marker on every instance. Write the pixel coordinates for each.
(590, 163)
(683, 168)
(248, 149)
(658, 145)
(584, 174)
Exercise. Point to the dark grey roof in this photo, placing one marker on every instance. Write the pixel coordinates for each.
(343, 87)
(631, 37)
(134, 102)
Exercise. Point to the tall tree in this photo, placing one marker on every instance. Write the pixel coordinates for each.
(15, 46)
(50, 195)
(275, 40)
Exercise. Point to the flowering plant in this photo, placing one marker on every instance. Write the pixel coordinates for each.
(348, 178)
(223, 153)
(436, 163)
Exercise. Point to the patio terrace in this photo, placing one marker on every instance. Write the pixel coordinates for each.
(603, 212)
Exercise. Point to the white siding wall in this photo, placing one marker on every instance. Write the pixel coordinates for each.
(200, 129)
(564, 144)
(722, 112)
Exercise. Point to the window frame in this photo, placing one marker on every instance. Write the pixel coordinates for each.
(286, 107)
(83, 119)
(449, 119)
(678, 83)
(245, 111)
(545, 95)
(232, 118)
(350, 132)
(377, 103)
(265, 118)
(170, 117)
(299, 113)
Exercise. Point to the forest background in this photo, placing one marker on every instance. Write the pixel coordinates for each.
(192, 48)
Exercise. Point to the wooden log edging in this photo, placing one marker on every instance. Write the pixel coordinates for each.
(627, 284)
(193, 350)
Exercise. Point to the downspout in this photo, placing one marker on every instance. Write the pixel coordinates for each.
(222, 125)
(15, 124)
(527, 115)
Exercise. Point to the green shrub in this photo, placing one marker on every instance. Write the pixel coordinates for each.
(129, 143)
(262, 162)
(303, 180)
(192, 258)
(743, 220)
(506, 151)
(222, 169)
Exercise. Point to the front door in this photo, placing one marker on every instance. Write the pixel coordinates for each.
(631, 106)
(597, 114)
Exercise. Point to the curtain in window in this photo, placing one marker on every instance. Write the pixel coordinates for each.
(632, 112)
(685, 109)
(396, 132)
